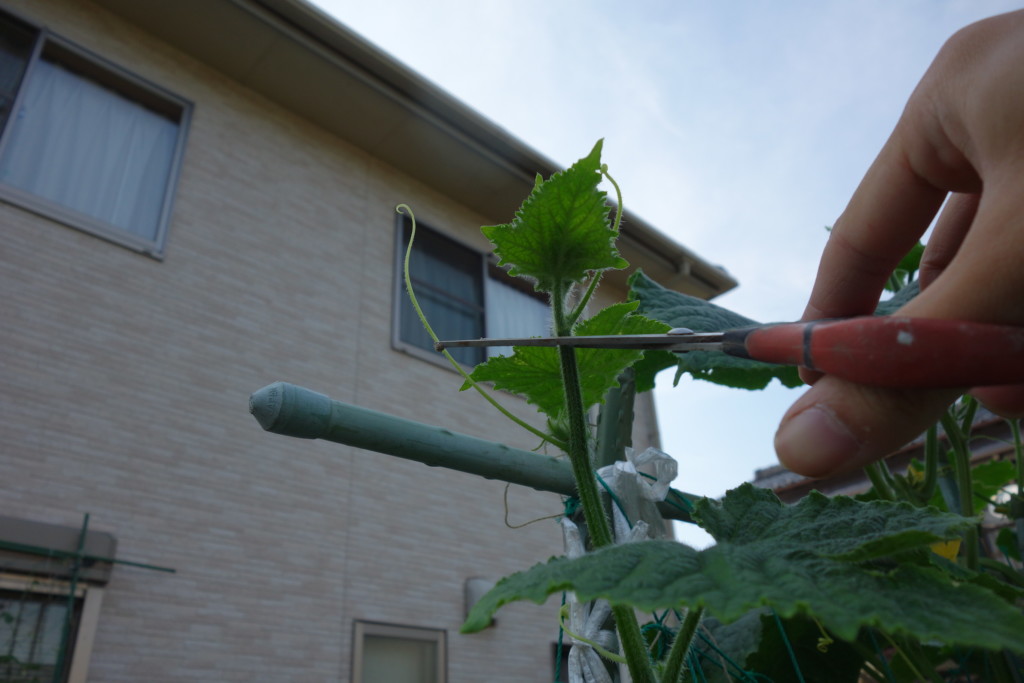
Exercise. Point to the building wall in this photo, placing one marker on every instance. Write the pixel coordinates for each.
(125, 384)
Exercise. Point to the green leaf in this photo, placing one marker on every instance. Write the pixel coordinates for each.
(804, 559)
(990, 478)
(535, 373)
(1006, 541)
(987, 480)
(906, 268)
(754, 643)
(889, 306)
(840, 663)
(722, 649)
(562, 230)
(681, 310)
(836, 527)
(648, 367)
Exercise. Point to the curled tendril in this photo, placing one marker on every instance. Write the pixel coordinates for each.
(826, 640)
(407, 210)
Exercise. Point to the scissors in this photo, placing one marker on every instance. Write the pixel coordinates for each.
(884, 351)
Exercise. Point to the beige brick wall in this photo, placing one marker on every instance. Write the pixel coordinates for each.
(125, 384)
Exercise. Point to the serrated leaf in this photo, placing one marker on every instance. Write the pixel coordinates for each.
(837, 527)
(680, 310)
(562, 230)
(535, 373)
(788, 561)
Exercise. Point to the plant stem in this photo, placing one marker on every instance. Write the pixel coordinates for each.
(579, 455)
(970, 405)
(878, 481)
(915, 659)
(634, 647)
(607, 654)
(1017, 503)
(631, 639)
(1018, 455)
(962, 470)
(582, 305)
(931, 464)
(898, 487)
(681, 645)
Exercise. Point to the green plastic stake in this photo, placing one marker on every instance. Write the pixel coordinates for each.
(290, 410)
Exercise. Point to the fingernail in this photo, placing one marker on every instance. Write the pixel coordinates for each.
(816, 443)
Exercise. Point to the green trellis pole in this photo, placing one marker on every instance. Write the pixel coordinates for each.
(69, 610)
(291, 410)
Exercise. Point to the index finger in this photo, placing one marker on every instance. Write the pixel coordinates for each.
(888, 213)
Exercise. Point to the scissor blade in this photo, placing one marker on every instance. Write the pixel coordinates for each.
(711, 341)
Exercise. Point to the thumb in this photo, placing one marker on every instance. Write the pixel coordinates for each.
(838, 426)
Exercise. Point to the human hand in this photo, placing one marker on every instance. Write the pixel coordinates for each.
(962, 132)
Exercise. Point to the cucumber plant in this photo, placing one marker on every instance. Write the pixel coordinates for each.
(856, 578)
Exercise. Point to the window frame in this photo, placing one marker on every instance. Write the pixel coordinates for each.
(139, 90)
(488, 269)
(361, 629)
(91, 596)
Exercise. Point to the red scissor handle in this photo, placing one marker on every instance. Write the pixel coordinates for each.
(922, 353)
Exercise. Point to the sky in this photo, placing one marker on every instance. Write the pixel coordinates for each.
(740, 129)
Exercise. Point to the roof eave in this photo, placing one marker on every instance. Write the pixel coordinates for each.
(298, 56)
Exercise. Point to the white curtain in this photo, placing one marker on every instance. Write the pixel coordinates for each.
(511, 313)
(84, 146)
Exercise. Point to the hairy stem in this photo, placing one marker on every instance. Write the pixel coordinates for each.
(633, 645)
(962, 472)
(582, 305)
(681, 645)
(579, 455)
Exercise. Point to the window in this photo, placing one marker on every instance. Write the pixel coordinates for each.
(464, 295)
(84, 142)
(36, 635)
(49, 600)
(398, 654)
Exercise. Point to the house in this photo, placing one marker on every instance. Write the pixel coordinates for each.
(196, 199)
